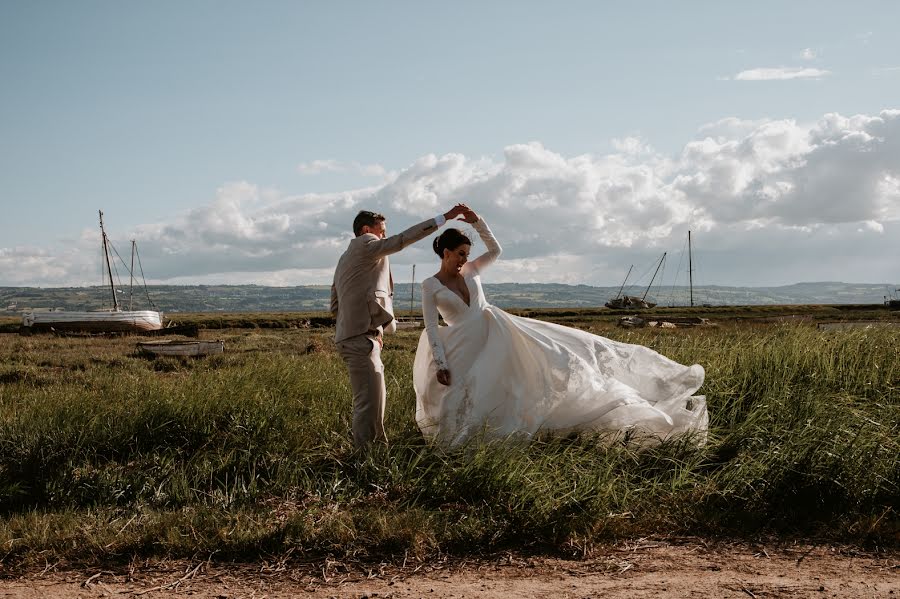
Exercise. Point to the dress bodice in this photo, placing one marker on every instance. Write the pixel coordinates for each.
(438, 299)
(449, 304)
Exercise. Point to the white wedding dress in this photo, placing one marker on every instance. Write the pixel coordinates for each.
(518, 376)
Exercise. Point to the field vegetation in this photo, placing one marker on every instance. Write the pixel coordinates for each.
(106, 455)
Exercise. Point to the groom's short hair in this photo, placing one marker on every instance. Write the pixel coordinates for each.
(365, 219)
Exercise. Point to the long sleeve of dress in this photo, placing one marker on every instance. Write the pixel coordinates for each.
(490, 242)
(430, 314)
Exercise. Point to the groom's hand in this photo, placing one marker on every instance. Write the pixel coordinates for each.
(443, 377)
(456, 211)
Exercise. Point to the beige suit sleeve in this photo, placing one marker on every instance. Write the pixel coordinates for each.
(393, 244)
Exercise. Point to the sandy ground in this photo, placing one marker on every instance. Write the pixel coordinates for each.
(637, 569)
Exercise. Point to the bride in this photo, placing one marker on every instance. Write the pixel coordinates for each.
(494, 374)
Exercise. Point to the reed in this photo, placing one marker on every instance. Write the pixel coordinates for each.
(105, 454)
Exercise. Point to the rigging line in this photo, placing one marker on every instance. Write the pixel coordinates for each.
(118, 278)
(677, 272)
(705, 291)
(131, 282)
(653, 279)
(102, 274)
(147, 291)
(643, 276)
(662, 274)
(124, 265)
(115, 264)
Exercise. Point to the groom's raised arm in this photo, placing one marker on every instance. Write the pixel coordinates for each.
(393, 244)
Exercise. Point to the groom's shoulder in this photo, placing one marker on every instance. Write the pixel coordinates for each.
(359, 249)
(358, 243)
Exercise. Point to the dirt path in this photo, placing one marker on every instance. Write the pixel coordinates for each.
(638, 569)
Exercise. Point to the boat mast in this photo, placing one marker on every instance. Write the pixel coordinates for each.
(112, 286)
(654, 276)
(412, 291)
(131, 284)
(690, 269)
(625, 281)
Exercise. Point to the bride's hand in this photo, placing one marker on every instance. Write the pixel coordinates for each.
(443, 377)
(470, 216)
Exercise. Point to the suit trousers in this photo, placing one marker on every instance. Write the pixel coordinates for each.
(362, 355)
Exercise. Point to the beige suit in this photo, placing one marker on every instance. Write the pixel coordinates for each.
(362, 302)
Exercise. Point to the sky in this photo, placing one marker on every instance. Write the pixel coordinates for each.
(236, 141)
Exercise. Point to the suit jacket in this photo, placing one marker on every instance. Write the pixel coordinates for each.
(362, 292)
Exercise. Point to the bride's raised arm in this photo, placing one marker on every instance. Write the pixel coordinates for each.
(430, 314)
(493, 247)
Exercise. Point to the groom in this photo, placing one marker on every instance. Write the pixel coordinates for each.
(363, 309)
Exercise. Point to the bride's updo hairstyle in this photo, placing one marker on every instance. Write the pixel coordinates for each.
(450, 239)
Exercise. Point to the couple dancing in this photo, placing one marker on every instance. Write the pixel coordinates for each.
(488, 372)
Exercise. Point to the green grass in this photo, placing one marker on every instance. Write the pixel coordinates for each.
(105, 454)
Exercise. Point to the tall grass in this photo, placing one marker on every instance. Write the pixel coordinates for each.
(106, 454)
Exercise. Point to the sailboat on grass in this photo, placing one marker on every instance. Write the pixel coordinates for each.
(115, 320)
(632, 302)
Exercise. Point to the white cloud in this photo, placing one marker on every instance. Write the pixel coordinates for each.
(780, 74)
(632, 146)
(871, 225)
(775, 201)
(808, 54)
(317, 167)
(29, 266)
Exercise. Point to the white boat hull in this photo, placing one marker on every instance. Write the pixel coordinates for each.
(123, 321)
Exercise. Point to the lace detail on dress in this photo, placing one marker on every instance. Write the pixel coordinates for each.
(430, 314)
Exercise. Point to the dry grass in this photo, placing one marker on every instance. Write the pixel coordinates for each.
(106, 454)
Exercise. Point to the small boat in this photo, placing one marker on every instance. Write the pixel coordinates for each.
(122, 321)
(174, 347)
(631, 302)
(893, 302)
(115, 320)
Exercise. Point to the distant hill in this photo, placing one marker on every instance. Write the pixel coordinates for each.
(255, 298)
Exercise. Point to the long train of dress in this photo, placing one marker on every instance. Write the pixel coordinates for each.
(519, 376)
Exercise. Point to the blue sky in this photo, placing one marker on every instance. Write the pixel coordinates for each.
(287, 117)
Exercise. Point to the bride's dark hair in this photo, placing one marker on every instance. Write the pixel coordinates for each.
(450, 239)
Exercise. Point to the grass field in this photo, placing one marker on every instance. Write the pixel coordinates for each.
(106, 455)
